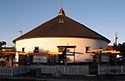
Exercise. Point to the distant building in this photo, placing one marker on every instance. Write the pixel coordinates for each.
(110, 47)
(62, 31)
(7, 49)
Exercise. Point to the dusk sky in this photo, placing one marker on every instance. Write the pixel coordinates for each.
(103, 16)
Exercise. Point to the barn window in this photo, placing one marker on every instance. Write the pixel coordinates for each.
(36, 49)
(23, 49)
(100, 48)
(87, 49)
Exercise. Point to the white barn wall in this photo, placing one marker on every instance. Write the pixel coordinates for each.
(50, 44)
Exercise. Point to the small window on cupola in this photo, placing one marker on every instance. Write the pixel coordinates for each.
(61, 21)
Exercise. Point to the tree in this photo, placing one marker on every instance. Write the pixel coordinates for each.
(120, 47)
(2, 43)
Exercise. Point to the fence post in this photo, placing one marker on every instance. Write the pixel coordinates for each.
(99, 69)
(122, 69)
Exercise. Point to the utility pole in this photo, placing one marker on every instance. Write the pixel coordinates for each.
(21, 32)
(116, 38)
(61, 6)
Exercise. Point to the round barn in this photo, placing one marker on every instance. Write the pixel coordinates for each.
(62, 31)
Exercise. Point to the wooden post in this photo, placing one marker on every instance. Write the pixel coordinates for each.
(74, 55)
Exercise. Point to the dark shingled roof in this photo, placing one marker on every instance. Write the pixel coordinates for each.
(62, 26)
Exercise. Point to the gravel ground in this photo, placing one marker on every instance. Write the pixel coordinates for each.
(66, 78)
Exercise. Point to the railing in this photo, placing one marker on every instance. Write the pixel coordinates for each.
(46, 69)
(11, 71)
(62, 69)
(111, 69)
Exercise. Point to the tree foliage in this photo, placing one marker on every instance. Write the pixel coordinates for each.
(2, 43)
(120, 47)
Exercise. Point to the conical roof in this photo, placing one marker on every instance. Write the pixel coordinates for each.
(62, 26)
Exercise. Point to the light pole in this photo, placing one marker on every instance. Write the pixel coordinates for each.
(21, 32)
